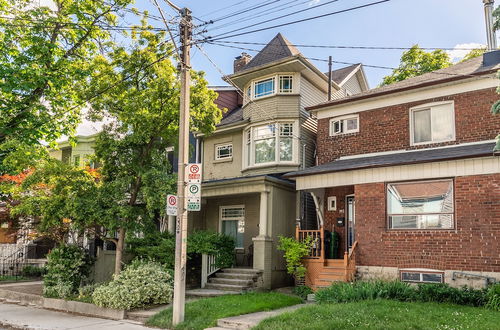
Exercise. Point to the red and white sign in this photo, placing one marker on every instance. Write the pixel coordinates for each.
(171, 205)
(194, 173)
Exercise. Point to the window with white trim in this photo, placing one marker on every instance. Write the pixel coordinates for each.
(344, 125)
(224, 151)
(286, 84)
(233, 223)
(421, 277)
(264, 87)
(271, 143)
(432, 123)
(420, 205)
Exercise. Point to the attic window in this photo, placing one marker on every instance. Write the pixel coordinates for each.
(264, 87)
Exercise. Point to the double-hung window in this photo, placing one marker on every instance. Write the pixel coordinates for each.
(270, 143)
(344, 125)
(233, 223)
(432, 123)
(420, 205)
(224, 151)
(264, 87)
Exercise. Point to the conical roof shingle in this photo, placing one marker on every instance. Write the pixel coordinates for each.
(278, 48)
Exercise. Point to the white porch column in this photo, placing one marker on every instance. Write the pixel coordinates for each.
(263, 244)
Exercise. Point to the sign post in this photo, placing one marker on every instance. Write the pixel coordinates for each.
(194, 187)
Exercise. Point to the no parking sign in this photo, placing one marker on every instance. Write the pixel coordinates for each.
(171, 205)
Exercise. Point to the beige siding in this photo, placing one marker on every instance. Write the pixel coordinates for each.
(216, 169)
(352, 85)
(272, 107)
(308, 129)
(310, 95)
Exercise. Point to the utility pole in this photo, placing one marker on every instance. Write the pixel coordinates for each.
(182, 214)
(329, 78)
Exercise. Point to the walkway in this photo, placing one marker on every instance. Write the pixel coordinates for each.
(20, 317)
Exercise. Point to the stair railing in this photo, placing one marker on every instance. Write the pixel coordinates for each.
(350, 263)
(318, 238)
(12, 264)
(208, 267)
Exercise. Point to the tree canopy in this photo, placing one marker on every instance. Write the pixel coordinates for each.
(44, 57)
(415, 62)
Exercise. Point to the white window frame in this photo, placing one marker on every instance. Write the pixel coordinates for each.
(277, 86)
(421, 274)
(220, 146)
(239, 219)
(332, 203)
(430, 106)
(254, 85)
(249, 144)
(343, 122)
(281, 77)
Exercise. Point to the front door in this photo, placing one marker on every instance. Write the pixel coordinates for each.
(232, 223)
(351, 222)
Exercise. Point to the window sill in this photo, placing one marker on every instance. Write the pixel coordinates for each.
(225, 160)
(274, 164)
(416, 144)
(343, 134)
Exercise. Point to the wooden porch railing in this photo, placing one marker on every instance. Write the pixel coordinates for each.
(318, 237)
(207, 267)
(350, 263)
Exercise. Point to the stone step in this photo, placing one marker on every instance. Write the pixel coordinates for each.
(242, 271)
(226, 287)
(205, 293)
(232, 281)
(249, 277)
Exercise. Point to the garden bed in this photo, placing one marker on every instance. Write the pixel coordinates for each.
(385, 314)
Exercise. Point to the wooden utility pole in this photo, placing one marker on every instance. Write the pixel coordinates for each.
(329, 78)
(182, 214)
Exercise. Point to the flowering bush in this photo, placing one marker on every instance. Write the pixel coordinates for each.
(141, 283)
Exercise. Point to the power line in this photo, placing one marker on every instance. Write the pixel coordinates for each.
(344, 46)
(346, 63)
(260, 14)
(297, 21)
(168, 28)
(242, 11)
(224, 8)
(279, 17)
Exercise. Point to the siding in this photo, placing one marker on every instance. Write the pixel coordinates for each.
(352, 85)
(272, 107)
(213, 169)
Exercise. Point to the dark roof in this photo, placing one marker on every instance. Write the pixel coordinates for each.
(232, 116)
(402, 158)
(339, 75)
(472, 67)
(278, 48)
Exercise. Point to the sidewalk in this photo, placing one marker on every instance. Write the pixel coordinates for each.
(20, 317)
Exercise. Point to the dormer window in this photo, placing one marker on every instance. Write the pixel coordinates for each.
(344, 125)
(264, 87)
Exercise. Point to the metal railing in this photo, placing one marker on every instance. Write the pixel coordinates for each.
(13, 264)
(208, 267)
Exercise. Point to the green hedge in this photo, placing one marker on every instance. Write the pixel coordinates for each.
(395, 290)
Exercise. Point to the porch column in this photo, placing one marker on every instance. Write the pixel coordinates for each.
(263, 244)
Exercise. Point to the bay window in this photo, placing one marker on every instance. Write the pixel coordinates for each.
(270, 143)
(277, 84)
(264, 87)
(420, 205)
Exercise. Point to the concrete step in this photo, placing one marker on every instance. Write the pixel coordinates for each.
(217, 328)
(232, 281)
(226, 287)
(248, 277)
(242, 271)
(205, 293)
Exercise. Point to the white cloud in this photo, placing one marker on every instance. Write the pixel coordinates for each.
(460, 50)
(314, 2)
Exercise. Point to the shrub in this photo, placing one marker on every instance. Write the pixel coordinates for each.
(395, 290)
(302, 291)
(142, 283)
(160, 247)
(294, 252)
(493, 297)
(33, 271)
(67, 267)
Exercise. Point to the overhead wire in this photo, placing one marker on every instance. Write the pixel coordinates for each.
(224, 8)
(242, 11)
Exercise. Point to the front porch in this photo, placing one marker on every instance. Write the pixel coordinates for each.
(322, 271)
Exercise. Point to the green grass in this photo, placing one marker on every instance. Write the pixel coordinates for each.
(385, 314)
(8, 278)
(204, 313)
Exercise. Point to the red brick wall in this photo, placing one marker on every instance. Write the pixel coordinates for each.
(341, 212)
(473, 246)
(386, 129)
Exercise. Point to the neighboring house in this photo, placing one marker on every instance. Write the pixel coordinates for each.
(408, 181)
(265, 134)
(79, 154)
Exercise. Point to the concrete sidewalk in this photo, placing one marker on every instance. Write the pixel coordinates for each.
(20, 317)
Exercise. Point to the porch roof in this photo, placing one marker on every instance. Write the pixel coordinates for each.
(399, 158)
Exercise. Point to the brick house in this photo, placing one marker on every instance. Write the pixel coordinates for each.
(407, 181)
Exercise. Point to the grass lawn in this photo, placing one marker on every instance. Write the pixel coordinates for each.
(204, 313)
(5, 278)
(385, 314)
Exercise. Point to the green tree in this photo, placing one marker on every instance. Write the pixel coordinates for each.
(496, 18)
(474, 53)
(415, 62)
(44, 55)
(144, 112)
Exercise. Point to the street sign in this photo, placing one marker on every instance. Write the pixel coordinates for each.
(171, 205)
(194, 187)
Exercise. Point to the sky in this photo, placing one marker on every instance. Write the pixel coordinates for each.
(395, 23)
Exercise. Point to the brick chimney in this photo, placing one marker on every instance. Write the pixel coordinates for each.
(241, 61)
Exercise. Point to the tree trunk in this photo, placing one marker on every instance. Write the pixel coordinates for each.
(119, 250)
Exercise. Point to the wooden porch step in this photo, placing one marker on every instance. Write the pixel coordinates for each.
(334, 262)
